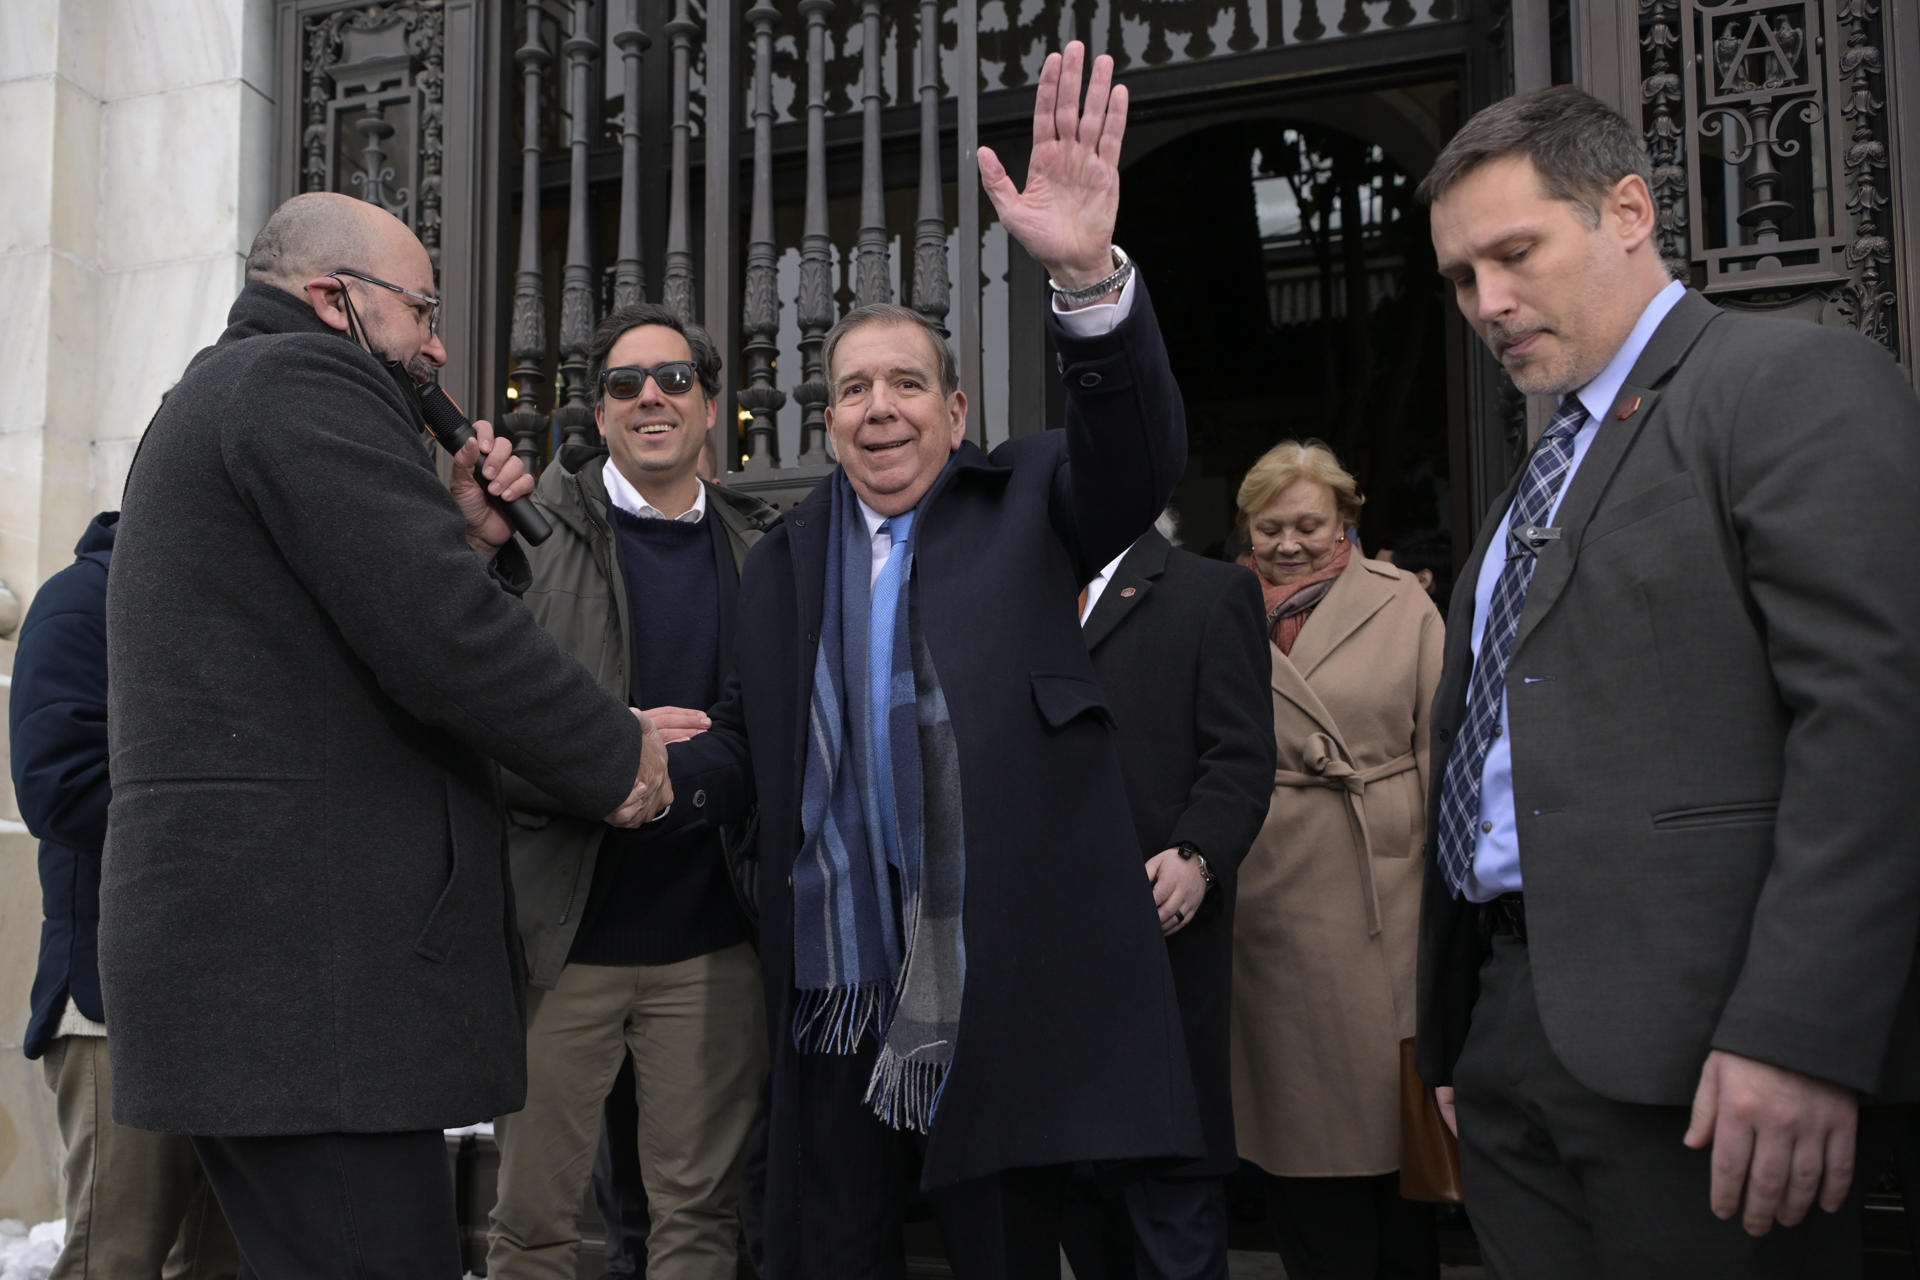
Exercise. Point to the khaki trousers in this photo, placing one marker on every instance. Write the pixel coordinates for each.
(138, 1204)
(697, 1033)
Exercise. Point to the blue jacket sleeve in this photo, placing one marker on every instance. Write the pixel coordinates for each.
(57, 715)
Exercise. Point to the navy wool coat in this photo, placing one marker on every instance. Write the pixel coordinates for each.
(1070, 1041)
(305, 919)
(57, 721)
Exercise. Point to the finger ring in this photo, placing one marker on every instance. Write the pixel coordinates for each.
(1178, 915)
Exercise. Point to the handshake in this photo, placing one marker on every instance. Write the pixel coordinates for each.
(652, 789)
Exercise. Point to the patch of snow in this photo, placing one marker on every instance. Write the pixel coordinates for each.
(29, 1254)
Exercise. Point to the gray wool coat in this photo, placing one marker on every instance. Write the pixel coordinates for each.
(305, 923)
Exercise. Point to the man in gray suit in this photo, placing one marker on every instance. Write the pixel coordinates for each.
(1673, 861)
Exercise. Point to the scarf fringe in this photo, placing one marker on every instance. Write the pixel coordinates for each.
(837, 1019)
(904, 1092)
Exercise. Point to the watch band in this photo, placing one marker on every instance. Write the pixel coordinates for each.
(1191, 852)
(1099, 288)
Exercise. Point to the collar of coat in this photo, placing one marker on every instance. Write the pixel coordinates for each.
(1362, 590)
(573, 489)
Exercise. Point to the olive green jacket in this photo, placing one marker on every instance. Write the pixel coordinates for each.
(580, 596)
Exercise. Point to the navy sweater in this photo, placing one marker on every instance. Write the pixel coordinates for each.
(661, 897)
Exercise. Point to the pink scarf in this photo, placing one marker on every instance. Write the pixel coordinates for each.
(1291, 604)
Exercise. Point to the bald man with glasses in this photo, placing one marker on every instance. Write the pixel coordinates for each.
(306, 930)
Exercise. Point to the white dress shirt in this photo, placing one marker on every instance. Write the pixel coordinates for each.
(1496, 850)
(1099, 584)
(622, 494)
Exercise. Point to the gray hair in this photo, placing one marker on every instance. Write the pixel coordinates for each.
(1578, 145)
(892, 313)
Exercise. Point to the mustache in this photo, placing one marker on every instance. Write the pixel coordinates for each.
(1500, 336)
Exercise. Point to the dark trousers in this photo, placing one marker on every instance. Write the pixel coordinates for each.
(839, 1184)
(1145, 1224)
(1563, 1182)
(339, 1206)
(1351, 1229)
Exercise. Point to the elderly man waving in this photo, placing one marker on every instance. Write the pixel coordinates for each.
(965, 974)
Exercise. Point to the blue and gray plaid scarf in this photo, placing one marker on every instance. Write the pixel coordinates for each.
(860, 962)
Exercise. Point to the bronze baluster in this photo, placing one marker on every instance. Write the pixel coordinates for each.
(629, 275)
(527, 340)
(930, 287)
(815, 302)
(678, 290)
(576, 281)
(872, 280)
(760, 316)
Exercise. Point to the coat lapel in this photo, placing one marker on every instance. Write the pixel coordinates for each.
(1357, 595)
(1136, 573)
(807, 538)
(1629, 414)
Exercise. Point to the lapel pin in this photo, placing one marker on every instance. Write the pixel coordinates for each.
(1628, 407)
(1125, 592)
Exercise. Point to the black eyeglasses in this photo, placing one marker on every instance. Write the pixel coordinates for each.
(624, 381)
(432, 305)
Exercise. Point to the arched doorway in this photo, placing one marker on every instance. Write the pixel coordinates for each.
(1294, 279)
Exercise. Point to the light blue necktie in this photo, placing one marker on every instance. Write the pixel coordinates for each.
(885, 606)
(1467, 762)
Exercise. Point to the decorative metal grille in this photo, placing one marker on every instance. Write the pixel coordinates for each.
(1782, 199)
(372, 125)
(1016, 35)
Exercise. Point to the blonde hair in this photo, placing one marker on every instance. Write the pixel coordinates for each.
(1290, 460)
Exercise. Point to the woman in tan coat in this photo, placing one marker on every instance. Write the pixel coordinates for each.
(1329, 901)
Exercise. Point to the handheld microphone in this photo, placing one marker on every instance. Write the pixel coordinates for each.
(451, 428)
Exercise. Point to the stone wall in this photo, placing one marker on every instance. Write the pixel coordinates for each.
(138, 150)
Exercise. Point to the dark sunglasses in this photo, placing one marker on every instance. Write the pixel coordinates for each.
(624, 382)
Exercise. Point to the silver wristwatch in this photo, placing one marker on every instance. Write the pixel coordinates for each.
(1123, 267)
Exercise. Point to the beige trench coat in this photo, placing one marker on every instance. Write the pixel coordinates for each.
(1329, 897)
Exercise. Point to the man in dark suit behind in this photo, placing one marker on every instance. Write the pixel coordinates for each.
(1179, 643)
(1676, 864)
(965, 980)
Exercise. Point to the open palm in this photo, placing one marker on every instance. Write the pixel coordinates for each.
(1064, 218)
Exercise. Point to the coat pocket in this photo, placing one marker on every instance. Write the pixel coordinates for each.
(443, 923)
(1063, 698)
(1746, 813)
(1615, 516)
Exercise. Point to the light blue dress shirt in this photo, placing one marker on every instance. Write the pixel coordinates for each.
(1496, 850)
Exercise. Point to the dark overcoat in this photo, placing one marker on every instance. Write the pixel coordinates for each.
(1179, 643)
(1070, 1042)
(1714, 706)
(305, 919)
(57, 725)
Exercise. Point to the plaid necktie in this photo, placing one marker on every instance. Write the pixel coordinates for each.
(1460, 787)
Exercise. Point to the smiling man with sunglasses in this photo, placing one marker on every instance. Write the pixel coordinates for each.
(635, 944)
(305, 929)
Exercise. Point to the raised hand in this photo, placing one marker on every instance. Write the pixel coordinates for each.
(507, 479)
(1064, 218)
